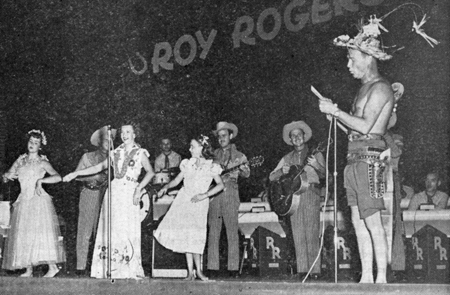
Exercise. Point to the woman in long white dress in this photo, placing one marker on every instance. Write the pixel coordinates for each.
(183, 228)
(34, 233)
(128, 160)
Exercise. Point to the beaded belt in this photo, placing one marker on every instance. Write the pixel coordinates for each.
(355, 137)
(95, 186)
(369, 155)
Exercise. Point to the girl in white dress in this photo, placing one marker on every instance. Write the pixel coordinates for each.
(33, 237)
(128, 160)
(183, 228)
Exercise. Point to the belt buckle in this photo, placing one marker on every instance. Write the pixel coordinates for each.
(353, 137)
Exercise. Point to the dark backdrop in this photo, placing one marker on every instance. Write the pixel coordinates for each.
(65, 69)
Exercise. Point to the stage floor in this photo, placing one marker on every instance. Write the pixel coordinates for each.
(76, 285)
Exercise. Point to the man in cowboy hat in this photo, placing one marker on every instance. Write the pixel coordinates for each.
(367, 123)
(223, 208)
(91, 195)
(305, 221)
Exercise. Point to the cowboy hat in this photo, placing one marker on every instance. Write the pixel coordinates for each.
(225, 125)
(296, 125)
(101, 133)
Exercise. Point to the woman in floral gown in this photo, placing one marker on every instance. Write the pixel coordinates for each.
(183, 228)
(34, 233)
(128, 160)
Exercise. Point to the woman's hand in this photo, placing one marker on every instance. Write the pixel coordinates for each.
(199, 197)
(39, 188)
(137, 196)
(9, 176)
(70, 177)
(162, 191)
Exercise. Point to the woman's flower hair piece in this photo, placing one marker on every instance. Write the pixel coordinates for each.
(43, 137)
(204, 140)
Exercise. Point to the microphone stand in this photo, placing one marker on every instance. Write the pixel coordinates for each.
(335, 202)
(109, 211)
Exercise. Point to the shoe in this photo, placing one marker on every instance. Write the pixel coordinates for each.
(311, 277)
(51, 273)
(399, 277)
(81, 273)
(212, 273)
(26, 275)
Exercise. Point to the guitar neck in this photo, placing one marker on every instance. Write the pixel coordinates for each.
(232, 168)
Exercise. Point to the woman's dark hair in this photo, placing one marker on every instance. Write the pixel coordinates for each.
(35, 135)
(136, 127)
(207, 150)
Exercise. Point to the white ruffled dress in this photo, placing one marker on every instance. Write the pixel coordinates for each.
(183, 228)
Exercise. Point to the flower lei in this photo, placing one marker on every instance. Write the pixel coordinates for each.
(25, 159)
(44, 138)
(128, 161)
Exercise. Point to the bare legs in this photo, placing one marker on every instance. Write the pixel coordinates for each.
(369, 232)
(192, 258)
(52, 271)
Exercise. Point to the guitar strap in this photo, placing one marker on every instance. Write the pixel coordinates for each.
(304, 154)
(226, 152)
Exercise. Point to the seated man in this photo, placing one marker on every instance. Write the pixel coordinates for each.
(431, 194)
(168, 158)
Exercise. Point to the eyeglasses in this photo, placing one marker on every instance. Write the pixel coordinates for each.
(297, 136)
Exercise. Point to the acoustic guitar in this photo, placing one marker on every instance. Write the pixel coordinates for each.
(94, 182)
(284, 194)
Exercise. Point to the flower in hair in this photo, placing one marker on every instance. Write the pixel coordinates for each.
(204, 139)
(43, 137)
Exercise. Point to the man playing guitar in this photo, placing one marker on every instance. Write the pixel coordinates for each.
(223, 208)
(305, 218)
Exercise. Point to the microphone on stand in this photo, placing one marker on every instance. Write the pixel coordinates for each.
(109, 209)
